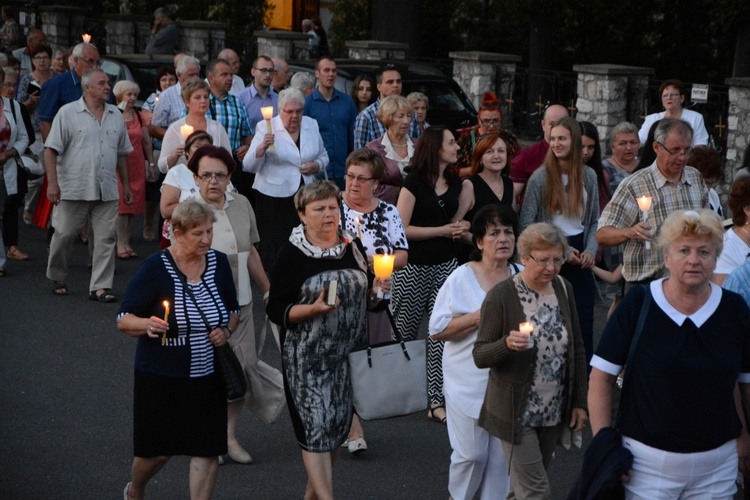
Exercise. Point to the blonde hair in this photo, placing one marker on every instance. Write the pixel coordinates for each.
(191, 86)
(554, 193)
(123, 86)
(390, 106)
(416, 97)
(541, 236)
(696, 223)
(190, 214)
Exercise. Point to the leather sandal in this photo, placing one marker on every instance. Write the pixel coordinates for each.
(432, 417)
(105, 296)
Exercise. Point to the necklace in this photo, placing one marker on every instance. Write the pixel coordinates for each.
(397, 144)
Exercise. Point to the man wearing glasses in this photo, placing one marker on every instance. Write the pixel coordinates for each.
(671, 184)
(260, 94)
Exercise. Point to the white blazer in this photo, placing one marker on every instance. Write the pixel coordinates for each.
(19, 139)
(277, 173)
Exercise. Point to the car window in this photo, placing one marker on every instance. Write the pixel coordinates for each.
(440, 94)
(113, 71)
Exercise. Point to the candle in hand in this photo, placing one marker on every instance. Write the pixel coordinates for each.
(644, 203)
(86, 37)
(527, 328)
(382, 264)
(166, 318)
(185, 131)
(267, 112)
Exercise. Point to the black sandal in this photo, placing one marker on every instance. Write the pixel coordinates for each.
(105, 296)
(59, 288)
(433, 418)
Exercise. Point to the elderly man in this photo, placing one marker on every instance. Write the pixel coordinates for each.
(231, 57)
(163, 35)
(35, 38)
(335, 113)
(281, 77)
(87, 144)
(260, 94)
(367, 128)
(671, 184)
(171, 107)
(531, 158)
(307, 28)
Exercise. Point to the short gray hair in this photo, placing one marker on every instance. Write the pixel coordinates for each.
(78, 49)
(667, 125)
(86, 78)
(316, 191)
(186, 61)
(622, 128)
(224, 54)
(416, 97)
(291, 95)
(541, 236)
(163, 12)
(307, 22)
(123, 86)
(302, 81)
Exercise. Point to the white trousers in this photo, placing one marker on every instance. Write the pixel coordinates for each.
(477, 462)
(659, 474)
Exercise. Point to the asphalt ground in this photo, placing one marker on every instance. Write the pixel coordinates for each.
(66, 377)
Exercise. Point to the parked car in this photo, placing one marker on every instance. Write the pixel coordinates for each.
(449, 105)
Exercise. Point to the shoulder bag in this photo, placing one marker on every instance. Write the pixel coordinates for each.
(268, 405)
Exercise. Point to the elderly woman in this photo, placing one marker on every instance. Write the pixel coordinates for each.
(395, 146)
(708, 163)
(477, 464)
(685, 344)
(195, 95)
(624, 143)
(537, 382)
(284, 158)
(304, 82)
(363, 92)
(419, 104)
(235, 234)
(564, 192)
(672, 94)
(489, 120)
(176, 388)
(736, 239)
(379, 227)
(140, 165)
(317, 337)
(428, 205)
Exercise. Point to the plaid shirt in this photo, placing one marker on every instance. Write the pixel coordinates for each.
(367, 127)
(169, 108)
(622, 211)
(231, 113)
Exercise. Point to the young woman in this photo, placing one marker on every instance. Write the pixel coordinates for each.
(363, 92)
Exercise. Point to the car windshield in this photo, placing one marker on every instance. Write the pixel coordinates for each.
(441, 95)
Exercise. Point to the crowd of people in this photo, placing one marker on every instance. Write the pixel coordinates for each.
(297, 185)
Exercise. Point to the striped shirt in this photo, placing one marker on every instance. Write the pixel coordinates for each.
(231, 113)
(622, 211)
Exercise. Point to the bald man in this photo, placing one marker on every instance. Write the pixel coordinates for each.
(532, 157)
(231, 57)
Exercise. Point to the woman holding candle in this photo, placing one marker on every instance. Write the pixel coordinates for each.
(736, 239)
(564, 192)
(395, 146)
(379, 228)
(537, 382)
(317, 337)
(297, 157)
(195, 95)
(140, 165)
(477, 463)
(689, 350)
(428, 204)
(235, 234)
(180, 403)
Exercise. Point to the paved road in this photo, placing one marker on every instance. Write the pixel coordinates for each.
(66, 404)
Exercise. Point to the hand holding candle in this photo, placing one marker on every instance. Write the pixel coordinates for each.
(382, 264)
(185, 131)
(644, 203)
(166, 318)
(267, 112)
(527, 328)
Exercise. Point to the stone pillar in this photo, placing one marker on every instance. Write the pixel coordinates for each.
(202, 39)
(124, 33)
(375, 50)
(479, 72)
(738, 126)
(62, 25)
(610, 93)
(278, 43)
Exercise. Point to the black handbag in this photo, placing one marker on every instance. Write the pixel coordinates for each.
(225, 360)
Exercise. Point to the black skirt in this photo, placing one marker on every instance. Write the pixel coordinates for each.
(179, 416)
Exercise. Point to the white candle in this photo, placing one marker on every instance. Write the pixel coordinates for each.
(185, 131)
(644, 203)
(267, 112)
(382, 265)
(527, 328)
(166, 318)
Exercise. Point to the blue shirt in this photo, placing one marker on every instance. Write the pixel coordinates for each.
(253, 101)
(739, 281)
(230, 112)
(336, 124)
(58, 91)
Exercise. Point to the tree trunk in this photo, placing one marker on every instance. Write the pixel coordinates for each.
(397, 21)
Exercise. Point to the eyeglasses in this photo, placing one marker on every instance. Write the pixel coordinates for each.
(359, 178)
(546, 262)
(292, 111)
(266, 71)
(669, 96)
(687, 152)
(493, 122)
(207, 176)
(41, 58)
(91, 62)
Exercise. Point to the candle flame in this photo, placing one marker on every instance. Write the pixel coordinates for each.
(267, 112)
(86, 37)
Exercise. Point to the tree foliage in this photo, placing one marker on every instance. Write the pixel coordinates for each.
(350, 21)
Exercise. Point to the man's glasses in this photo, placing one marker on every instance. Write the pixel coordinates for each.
(687, 152)
(266, 71)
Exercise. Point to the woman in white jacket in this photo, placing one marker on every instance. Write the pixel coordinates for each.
(283, 159)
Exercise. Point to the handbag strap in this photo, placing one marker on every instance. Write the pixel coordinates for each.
(634, 345)
(189, 290)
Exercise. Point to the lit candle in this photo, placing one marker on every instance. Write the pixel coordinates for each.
(644, 203)
(166, 318)
(185, 131)
(359, 228)
(267, 112)
(527, 328)
(382, 264)
(86, 37)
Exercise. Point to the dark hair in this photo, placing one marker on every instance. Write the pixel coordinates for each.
(195, 137)
(211, 68)
(589, 130)
(43, 48)
(486, 142)
(427, 155)
(739, 198)
(383, 69)
(495, 213)
(672, 83)
(648, 155)
(162, 71)
(708, 162)
(355, 85)
(324, 58)
(264, 58)
(367, 157)
(211, 151)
